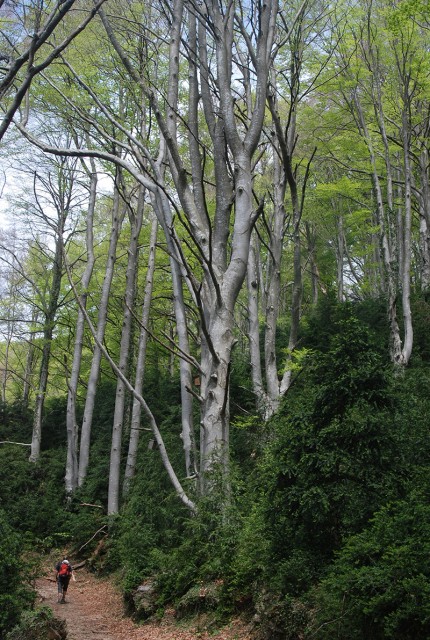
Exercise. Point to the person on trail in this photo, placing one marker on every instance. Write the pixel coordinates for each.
(64, 572)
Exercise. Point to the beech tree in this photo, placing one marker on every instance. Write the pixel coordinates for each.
(380, 60)
(216, 127)
(135, 427)
(222, 33)
(221, 252)
(136, 219)
(71, 475)
(118, 213)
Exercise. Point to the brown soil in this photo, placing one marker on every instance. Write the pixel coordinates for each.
(94, 611)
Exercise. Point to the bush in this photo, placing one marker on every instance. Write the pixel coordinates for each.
(15, 592)
(379, 586)
(31, 494)
(39, 625)
(332, 461)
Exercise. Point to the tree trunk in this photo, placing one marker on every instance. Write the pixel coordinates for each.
(115, 455)
(29, 361)
(387, 254)
(406, 271)
(340, 257)
(424, 220)
(71, 476)
(273, 286)
(311, 240)
(117, 219)
(254, 329)
(140, 364)
(48, 329)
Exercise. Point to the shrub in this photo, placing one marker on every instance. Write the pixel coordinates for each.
(379, 586)
(15, 592)
(39, 625)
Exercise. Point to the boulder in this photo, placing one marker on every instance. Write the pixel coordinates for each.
(145, 600)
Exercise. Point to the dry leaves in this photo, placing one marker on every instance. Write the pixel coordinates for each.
(95, 611)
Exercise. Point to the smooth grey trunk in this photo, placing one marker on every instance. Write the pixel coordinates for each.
(311, 240)
(254, 329)
(135, 429)
(120, 396)
(340, 257)
(72, 468)
(406, 273)
(296, 296)
(296, 299)
(286, 135)
(424, 202)
(273, 286)
(164, 215)
(84, 451)
(48, 329)
(387, 255)
(29, 361)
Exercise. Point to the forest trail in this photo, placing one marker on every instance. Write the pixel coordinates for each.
(94, 611)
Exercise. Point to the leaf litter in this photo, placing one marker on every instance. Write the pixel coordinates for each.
(95, 611)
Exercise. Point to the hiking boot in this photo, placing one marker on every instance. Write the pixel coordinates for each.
(62, 601)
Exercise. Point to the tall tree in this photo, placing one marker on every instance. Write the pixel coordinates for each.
(135, 219)
(135, 427)
(118, 213)
(58, 192)
(71, 475)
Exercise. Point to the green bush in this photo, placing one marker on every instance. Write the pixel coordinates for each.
(32, 494)
(16, 595)
(332, 461)
(379, 586)
(38, 625)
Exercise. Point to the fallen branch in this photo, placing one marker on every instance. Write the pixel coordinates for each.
(88, 504)
(92, 537)
(21, 444)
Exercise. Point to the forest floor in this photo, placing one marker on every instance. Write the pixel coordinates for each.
(94, 611)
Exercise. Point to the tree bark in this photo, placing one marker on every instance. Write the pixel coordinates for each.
(118, 418)
(48, 328)
(84, 452)
(72, 467)
(130, 468)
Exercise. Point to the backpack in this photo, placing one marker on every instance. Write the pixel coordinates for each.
(65, 569)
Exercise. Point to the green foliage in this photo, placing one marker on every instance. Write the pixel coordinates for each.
(33, 494)
(206, 552)
(38, 624)
(325, 509)
(421, 315)
(54, 433)
(156, 538)
(15, 576)
(333, 458)
(15, 421)
(379, 586)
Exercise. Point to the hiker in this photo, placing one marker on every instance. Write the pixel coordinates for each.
(64, 572)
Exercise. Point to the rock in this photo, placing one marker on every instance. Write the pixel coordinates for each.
(145, 600)
(200, 598)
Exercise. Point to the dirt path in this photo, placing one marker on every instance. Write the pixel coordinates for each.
(94, 611)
